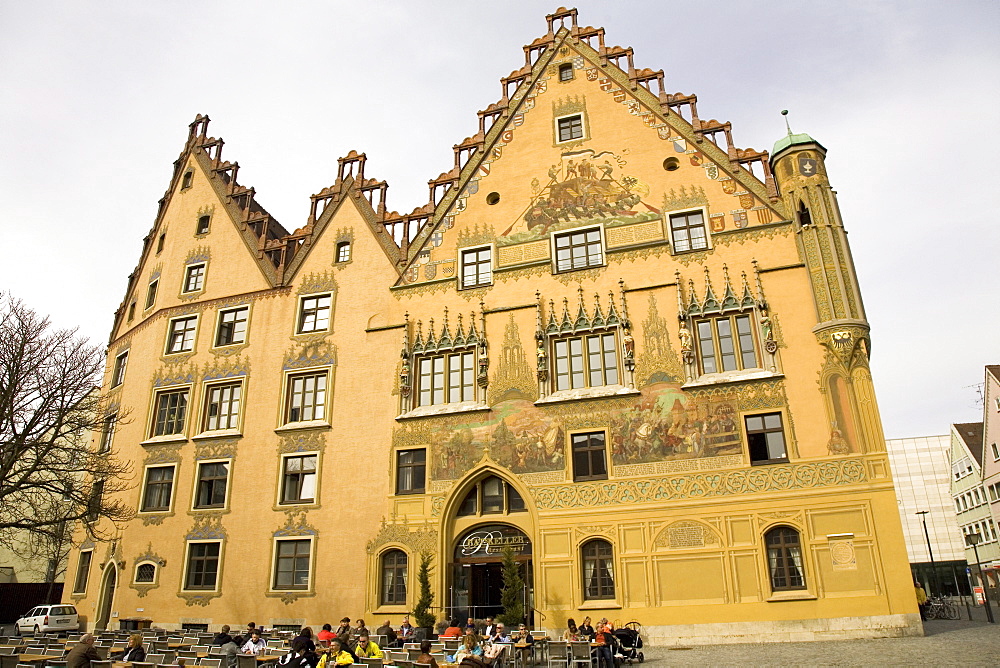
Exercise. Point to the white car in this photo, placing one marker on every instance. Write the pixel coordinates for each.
(48, 619)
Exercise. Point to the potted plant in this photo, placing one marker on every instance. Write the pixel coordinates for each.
(512, 592)
(422, 615)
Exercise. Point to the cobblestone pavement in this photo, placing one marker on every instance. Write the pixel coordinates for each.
(945, 643)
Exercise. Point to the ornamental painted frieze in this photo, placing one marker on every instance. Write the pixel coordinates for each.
(702, 485)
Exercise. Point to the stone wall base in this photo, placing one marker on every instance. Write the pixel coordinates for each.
(795, 630)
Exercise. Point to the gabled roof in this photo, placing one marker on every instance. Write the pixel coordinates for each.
(971, 434)
(994, 370)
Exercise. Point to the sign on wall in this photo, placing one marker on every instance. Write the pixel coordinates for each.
(490, 541)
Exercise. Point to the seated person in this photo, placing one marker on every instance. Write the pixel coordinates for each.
(470, 647)
(607, 644)
(299, 657)
(523, 641)
(452, 631)
(231, 649)
(366, 649)
(255, 645)
(586, 630)
(405, 631)
(356, 631)
(339, 654)
(425, 654)
(326, 635)
(388, 633)
(571, 634)
(304, 639)
(222, 637)
(344, 631)
(133, 651)
(499, 633)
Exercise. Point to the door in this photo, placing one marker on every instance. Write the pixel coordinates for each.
(485, 583)
(107, 596)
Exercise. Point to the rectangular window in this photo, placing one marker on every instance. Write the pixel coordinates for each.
(151, 294)
(585, 361)
(298, 484)
(687, 231)
(588, 456)
(180, 338)
(203, 224)
(203, 565)
(477, 267)
(131, 311)
(291, 566)
(344, 251)
(726, 343)
(107, 432)
(411, 470)
(194, 277)
(570, 127)
(159, 488)
(171, 410)
(118, 375)
(83, 572)
(222, 406)
(232, 327)
(96, 501)
(306, 397)
(996, 451)
(566, 72)
(314, 315)
(578, 250)
(766, 438)
(446, 378)
(212, 480)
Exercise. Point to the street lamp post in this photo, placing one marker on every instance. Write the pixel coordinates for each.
(973, 540)
(930, 552)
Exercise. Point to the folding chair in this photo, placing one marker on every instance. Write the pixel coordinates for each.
(155, 658)
(211, 663)
(580, 654)
(246, 661)
(558, 655)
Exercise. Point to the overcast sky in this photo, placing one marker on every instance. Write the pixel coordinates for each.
(95, 99)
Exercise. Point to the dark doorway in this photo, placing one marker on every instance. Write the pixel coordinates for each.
(485, 582)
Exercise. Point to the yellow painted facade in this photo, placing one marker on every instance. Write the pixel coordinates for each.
(601, 307)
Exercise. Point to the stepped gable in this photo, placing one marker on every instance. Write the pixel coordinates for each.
(616, 63)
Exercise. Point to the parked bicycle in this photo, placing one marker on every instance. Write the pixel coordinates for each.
(942, 607)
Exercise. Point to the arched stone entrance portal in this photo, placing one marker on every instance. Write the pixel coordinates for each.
(477, 574)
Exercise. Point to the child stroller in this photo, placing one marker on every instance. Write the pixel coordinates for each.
(630, 642)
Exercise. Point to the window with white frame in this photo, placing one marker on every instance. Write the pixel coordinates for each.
(314, 314)
(298, 479)
(203, 565)
(194, 277)
(118, 374)
(687, 232)
(232, 326)
(569, 128)
(159, 488)
(145, 573)
(766, 438)
(222, 406)
(306, 397)
(578, 249)
(83, 572)
(291, 564)
(169, 412)
(446, 378)
(180, 336)
(212, 484)
(477, 267)
(726, 343)
(107, 432)
(343, 252)
(151, 294)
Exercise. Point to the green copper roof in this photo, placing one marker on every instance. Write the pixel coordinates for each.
(790, 140)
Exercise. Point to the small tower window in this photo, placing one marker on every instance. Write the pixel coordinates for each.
(187, 179)
(343, 251)
(805, 219)
(566, 72)
(203, 223)
(159, 243)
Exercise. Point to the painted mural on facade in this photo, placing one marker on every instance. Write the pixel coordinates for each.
(585, 187)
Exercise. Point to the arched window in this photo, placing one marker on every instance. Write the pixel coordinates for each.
(146, 572)
(598, 570)
(805, 219)
(491, 496)
(784, 559)
(394, 578)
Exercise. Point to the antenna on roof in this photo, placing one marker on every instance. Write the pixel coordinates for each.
(784, 112)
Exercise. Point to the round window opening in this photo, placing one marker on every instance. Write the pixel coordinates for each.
(493, 198)
(670, 164)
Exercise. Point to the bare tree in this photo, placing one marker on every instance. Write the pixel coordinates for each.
(50, 474)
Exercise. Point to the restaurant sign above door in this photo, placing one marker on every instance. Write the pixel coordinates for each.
(490, 541)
